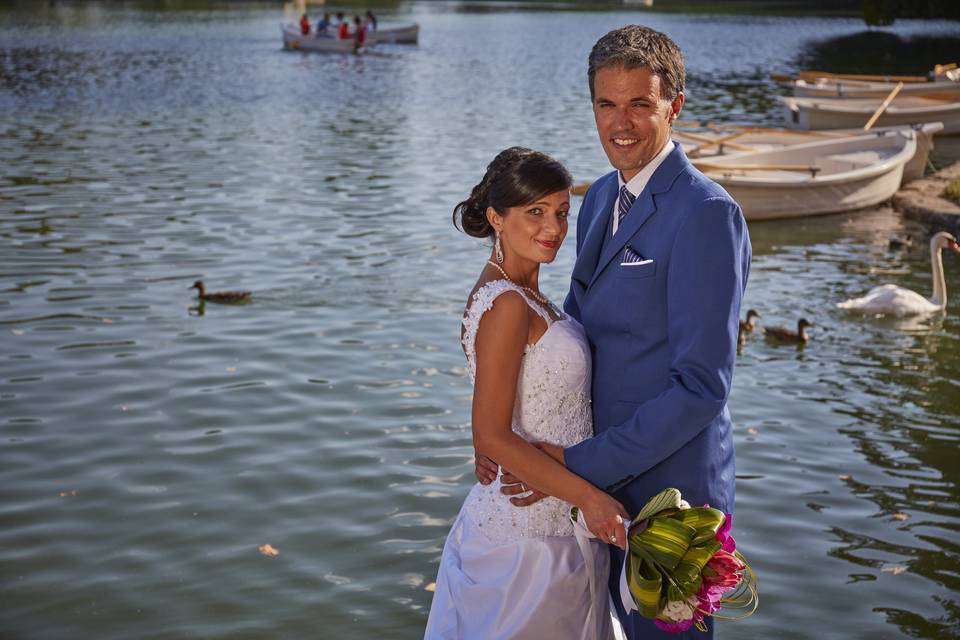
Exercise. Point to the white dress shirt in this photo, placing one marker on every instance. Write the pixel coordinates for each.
(639, 181)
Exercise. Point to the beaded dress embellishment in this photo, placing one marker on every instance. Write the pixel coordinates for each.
(552, 405)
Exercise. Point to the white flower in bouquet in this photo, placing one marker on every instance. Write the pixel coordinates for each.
(677, 610)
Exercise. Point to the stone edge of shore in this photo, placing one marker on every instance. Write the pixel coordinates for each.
(921, 200)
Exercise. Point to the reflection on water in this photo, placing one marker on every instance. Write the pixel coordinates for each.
(149, 445)
(886, 388)
(880, 52)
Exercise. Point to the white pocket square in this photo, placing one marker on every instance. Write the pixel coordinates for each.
(636, 264)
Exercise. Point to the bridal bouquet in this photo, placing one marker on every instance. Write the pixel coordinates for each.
(683, 565)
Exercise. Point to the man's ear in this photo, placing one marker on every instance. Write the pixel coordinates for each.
(676, 107)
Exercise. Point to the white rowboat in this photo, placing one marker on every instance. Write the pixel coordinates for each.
(839, 88)
(815, 178)
(293, 39)
(705, 145)
(408, 34)
(847, 113)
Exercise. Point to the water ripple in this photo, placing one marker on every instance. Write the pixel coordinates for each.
(151, 444)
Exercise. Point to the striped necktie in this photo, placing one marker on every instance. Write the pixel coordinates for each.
(624, 202)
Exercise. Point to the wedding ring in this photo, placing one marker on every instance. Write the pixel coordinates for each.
(613, 537)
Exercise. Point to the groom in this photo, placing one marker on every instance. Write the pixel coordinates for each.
(662, 262)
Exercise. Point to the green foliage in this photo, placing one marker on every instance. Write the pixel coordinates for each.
(952, 192)
(666, 499)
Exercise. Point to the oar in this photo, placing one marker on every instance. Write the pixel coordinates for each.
(580, 189)
(728, 126)
(814, 75)
(692, 124)
(940, 69)
(820, 134)
(883, 106)
(707, 141)
(813, 170)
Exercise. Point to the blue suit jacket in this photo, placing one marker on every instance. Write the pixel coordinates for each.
(663, 336)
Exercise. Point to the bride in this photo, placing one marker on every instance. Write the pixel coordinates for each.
(509, 571)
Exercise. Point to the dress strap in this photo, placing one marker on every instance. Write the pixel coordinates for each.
(482, 302)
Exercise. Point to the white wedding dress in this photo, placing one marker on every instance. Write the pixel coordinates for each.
(519, 572)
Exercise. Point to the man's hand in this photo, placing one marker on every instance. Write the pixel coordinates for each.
(485, 469)
(525, 494)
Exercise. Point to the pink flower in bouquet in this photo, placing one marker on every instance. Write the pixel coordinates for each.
(723, 534)
(725, 563)
(723, 575)
(673, 627)
(708, 597)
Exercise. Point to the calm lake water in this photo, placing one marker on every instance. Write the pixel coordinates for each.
(148, 448)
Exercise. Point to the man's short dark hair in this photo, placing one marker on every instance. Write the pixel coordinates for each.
(635, 47)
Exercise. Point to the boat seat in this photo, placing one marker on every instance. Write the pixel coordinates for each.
(849, 161)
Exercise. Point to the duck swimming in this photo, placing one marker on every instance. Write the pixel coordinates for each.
(899, 301)
(747, 326)
(221, 297)
(782, 334)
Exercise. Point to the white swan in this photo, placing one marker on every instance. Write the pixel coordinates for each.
(894, 300)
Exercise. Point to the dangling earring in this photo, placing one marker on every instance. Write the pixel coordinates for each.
(497, 249)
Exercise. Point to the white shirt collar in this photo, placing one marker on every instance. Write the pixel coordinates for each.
(639, 182)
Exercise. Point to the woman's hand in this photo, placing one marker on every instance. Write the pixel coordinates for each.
(605, 517)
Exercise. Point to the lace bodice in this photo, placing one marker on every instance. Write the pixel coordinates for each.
(552, 405)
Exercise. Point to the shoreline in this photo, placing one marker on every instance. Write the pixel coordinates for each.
(922, 200)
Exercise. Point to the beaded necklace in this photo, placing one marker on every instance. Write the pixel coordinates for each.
(539, 297)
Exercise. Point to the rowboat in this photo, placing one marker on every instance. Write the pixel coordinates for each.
(815, 178)
(408, 34)
(843, 113)
(736, 139)
(293, 39)
(939, 72)
(839, 88)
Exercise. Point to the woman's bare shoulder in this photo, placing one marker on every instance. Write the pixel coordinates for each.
(501, 305)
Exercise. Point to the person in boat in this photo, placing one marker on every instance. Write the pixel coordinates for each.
(359, 33)
(371, 21)
(323, 25)
(343, 30)
(304, 25)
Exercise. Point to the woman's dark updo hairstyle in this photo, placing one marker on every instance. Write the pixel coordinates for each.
(516, 177)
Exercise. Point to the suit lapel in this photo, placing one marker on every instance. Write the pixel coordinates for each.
(586, 264)
(643, 207)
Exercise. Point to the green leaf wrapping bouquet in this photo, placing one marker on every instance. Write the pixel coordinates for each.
(682, 565)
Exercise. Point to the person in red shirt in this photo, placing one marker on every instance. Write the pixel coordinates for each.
(305, 25)
(359, 34)
(344, 30)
